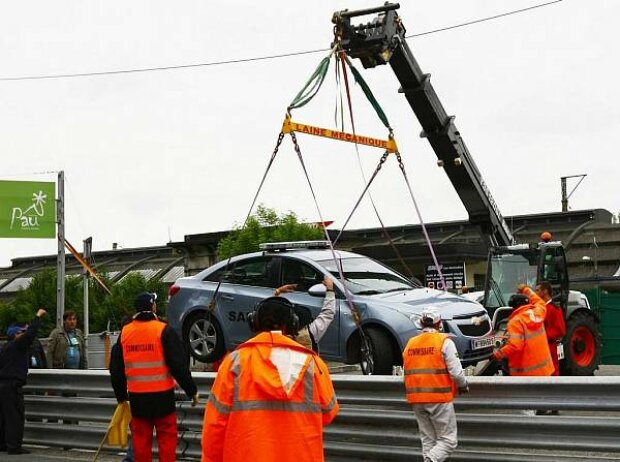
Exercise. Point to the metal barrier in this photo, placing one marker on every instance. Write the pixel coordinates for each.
(375, 422)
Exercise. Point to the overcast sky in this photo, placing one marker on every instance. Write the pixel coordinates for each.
(152, 156)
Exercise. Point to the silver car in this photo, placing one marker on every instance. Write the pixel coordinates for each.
(389, 305)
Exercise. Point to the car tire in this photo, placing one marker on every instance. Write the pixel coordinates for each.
(381, 352)
(203, 336)
(583, 345)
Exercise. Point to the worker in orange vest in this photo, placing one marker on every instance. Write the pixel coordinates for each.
(527, 349)
(271, 396)
(433, 373)
(144, 364)
(555, 327)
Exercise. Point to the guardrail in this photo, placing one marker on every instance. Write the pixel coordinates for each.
(375, 422)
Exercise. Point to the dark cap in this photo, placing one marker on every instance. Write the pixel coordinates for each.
(145, 301)
(517, 300)
(13, 330)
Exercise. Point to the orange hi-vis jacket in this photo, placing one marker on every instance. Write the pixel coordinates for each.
(426, 375)
(143, 354)
(527, 349)
(249, 415)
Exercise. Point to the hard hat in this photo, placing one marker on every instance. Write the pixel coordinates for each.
(430, 316)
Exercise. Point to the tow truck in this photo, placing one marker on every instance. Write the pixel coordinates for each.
(382, 41)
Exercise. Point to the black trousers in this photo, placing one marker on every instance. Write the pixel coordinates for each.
(11, 414)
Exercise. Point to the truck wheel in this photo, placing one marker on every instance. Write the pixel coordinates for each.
(203, 335)
(582, 345)
(380, 350)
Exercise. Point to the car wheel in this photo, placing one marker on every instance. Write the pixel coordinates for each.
(379, 357)
(367, 362)
(204, 338)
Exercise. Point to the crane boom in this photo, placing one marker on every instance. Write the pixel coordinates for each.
(382, 41)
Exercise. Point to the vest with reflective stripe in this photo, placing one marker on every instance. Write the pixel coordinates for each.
(143, 353)
(264, 423)
(534, 358)
(426, 375)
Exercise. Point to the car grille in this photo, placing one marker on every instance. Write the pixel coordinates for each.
(477, 355)
(471, 330)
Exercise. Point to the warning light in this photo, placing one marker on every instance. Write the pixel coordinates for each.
(545, 236)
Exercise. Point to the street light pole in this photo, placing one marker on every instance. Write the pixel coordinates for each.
(88, 245)
(60, 260)
(566, 196)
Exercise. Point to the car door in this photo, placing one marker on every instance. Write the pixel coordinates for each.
(294, 271)
(247, 283)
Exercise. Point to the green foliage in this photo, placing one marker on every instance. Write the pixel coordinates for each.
(266, 225)
(105, 311)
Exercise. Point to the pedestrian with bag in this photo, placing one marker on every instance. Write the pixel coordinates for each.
(271, 397)
(14, 359)
(433, 374)
(145, 362)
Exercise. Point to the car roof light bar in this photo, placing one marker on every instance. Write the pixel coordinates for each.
(272, 246)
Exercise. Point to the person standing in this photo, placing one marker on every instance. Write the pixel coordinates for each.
(433, 374)
(555, 327)
(14, 358)
(144, 364)
(271, 397)
(312, 330)
(527, 349)
(66, 345)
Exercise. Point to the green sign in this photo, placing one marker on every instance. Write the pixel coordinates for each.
(27, 209)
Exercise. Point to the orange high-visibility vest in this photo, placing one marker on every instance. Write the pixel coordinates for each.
(249, 415)
(143, 353)
(426, 375)
(527, 348)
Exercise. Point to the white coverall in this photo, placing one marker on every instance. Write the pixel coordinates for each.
(437, 421)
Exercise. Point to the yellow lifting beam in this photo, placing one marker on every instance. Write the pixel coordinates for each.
(388, 145)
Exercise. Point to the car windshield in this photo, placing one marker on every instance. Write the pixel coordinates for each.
(364, 276)
(507, 270)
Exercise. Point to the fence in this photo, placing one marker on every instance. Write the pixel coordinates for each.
(375, 422)
(607, 305)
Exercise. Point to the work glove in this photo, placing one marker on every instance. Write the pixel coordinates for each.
(463, 390)
(195, 400)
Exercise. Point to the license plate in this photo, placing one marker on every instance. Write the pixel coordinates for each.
(479, 343)
(560, 351)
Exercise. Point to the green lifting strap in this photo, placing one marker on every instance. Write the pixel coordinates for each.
(314, 82)
(368, 92)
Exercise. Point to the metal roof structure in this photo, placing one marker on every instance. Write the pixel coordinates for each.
(591, 239)
(161, 263)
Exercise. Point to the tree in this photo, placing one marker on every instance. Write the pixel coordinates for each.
(105, 311)
(266, 225)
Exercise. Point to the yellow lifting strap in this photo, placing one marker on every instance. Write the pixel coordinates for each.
(388, 145)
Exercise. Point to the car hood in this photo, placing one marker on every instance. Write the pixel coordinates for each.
(413, 301)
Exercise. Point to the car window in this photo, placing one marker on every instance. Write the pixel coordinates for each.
(251, 272)
(300, 273)
(365, 276)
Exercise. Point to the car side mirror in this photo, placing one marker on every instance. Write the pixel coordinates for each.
(317, 290)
